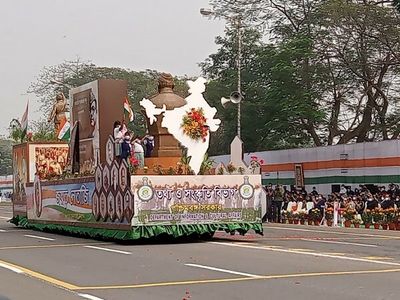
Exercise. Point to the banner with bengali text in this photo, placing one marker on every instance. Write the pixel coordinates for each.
(163, 200)
(60, 202)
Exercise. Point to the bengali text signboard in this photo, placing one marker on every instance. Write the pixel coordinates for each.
(67, 202)
(161, 200)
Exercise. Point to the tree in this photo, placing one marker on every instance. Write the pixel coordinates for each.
(362, 57)
(396, 3)
(274, 97)
(336, 64)
(5, 157)
(16, 132)
(43, 131)
(76, 73)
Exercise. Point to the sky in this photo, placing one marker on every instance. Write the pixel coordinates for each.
(169, 36)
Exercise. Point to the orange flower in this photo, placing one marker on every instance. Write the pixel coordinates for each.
(194, 124)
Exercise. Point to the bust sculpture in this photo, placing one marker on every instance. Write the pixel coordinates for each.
(165, 145)
(57, 114)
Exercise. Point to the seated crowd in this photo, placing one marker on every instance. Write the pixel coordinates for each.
(280, 199)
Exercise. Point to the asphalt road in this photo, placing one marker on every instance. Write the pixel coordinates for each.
(288, 262)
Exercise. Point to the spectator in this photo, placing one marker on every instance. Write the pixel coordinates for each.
(269, 198)
(387, 202)
(138, 152)
(360, 205)
(277, 203)
(314, 191)
(343, 190)
(117, 131)
(372, 203)
(397, 202)
(126, 146)
(148, 143)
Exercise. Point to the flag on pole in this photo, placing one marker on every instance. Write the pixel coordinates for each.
(65, 131)
(128, 109)
(24, 122)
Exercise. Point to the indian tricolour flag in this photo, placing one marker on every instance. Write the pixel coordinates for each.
(65, 131)
(24, 122)
(128, 109)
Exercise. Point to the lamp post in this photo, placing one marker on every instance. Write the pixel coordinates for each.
(237, 22)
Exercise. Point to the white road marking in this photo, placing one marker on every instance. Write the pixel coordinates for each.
(342, 243)
(222, 270)
(39, 237)
(109, 250)
(90, 297)
(378, 257)
(5, 218)
(334, 232)
(2, 230)
(309, 253)
(16, 270)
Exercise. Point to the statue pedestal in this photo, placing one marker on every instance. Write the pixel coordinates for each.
(164, 162)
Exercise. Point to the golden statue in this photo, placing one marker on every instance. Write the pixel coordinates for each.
(58, 111)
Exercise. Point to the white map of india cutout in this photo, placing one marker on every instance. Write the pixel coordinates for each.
(172, 121)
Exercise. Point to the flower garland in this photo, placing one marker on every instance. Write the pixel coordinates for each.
(194, 124)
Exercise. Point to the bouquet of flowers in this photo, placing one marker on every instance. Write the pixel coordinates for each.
(289, 215)
(349, 214)
(255, 163)
(194, 124)
(378, 215)
(315, 214)
(391, 215)
(367, 217)
(133, 164)
(302, 215)
(329, 214)
(295, 215)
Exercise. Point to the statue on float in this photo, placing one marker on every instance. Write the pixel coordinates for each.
(58, 111)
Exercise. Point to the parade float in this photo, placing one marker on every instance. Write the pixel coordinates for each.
(84, 188)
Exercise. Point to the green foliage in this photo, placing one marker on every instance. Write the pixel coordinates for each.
(275, 98)
(43, 131)
(185, 161)
(15, 131)
(396, 3)
(327, 75)
(5, 157)
(76, 73)
(206, 165)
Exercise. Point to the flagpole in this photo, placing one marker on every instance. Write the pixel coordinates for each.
(24, 122)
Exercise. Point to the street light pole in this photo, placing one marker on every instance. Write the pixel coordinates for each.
(239, 71)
